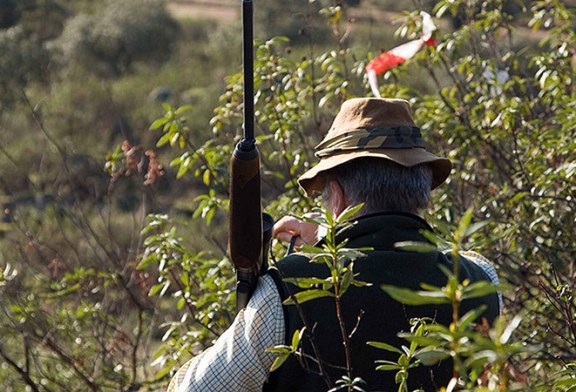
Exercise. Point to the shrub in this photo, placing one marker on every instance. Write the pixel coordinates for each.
(510, 139)
(114, 39)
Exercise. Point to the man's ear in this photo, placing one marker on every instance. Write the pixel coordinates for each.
(337, 198)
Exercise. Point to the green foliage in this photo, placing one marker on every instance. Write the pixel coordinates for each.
(472, 350)
(336, 256)
(285, 351)
(407, 359)
(198, 282)
(567, 378)
(58, 309)
(510, 141)
(339, 261)
(509, 138)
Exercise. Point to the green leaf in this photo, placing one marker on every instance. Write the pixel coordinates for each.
(206, 177)
(566, 382)
(415, 246)
(312, 250)
(470, 316)
(475, 227)
(430, 355)
(346, 281)
(384, 346)
(163, 372)
(440, 242)
(347, 254)
(155, 289)
(279, 361)
(348, 213)
(361, 283)
(479, 289)
(296, 338)
(420, 340)
(281, 349)
(308, 295)
(480, 358)
(182, 169)
(183, 109)
(429, 287)
(464, 223)
(305, 283)
(158, 123)
(388, 367)
(445, 270)
(412, 297)
(185, 278)
(510, 328)
(145, 262)
(163, 140)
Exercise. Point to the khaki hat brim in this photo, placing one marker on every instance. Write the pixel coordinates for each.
(312, 180)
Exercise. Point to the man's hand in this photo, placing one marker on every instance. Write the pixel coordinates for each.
(288, 227)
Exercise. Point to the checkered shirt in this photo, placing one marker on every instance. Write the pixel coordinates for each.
(238, 360)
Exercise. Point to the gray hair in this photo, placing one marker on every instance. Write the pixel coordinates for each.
(382, 185)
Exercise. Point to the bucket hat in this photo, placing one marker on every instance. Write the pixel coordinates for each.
(373, 127)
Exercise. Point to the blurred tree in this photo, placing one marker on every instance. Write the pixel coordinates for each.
(22, 61)
(298, 20)
(112, 40)
(25, 26)
(42, 19)
(8, 13)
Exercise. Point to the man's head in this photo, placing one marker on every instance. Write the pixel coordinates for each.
(374, 154)
(380, 184)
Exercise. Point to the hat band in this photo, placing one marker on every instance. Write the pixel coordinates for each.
(397, 137)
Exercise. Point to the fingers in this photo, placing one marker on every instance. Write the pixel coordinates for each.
(288, 227)
(285, 236)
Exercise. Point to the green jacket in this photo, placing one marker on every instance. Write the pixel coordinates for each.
(376, 316)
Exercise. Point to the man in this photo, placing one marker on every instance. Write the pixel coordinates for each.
(373, 154)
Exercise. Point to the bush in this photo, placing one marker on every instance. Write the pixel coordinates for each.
(510, 139)
(298, 20)
(113, 40)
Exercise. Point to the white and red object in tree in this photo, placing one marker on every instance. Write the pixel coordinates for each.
(400, 54)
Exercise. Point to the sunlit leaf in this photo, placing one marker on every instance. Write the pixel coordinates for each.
(279, 361)
(471, 316)
(431, 355)
(384, 346)
(308, 295)
(479, 289)
(412, 297)
(414, 246)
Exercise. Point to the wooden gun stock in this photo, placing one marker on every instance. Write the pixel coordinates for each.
(245, 228)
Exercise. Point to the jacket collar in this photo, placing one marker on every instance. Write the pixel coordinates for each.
(383, 230)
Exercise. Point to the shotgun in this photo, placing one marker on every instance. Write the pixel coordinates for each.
(249, 229)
